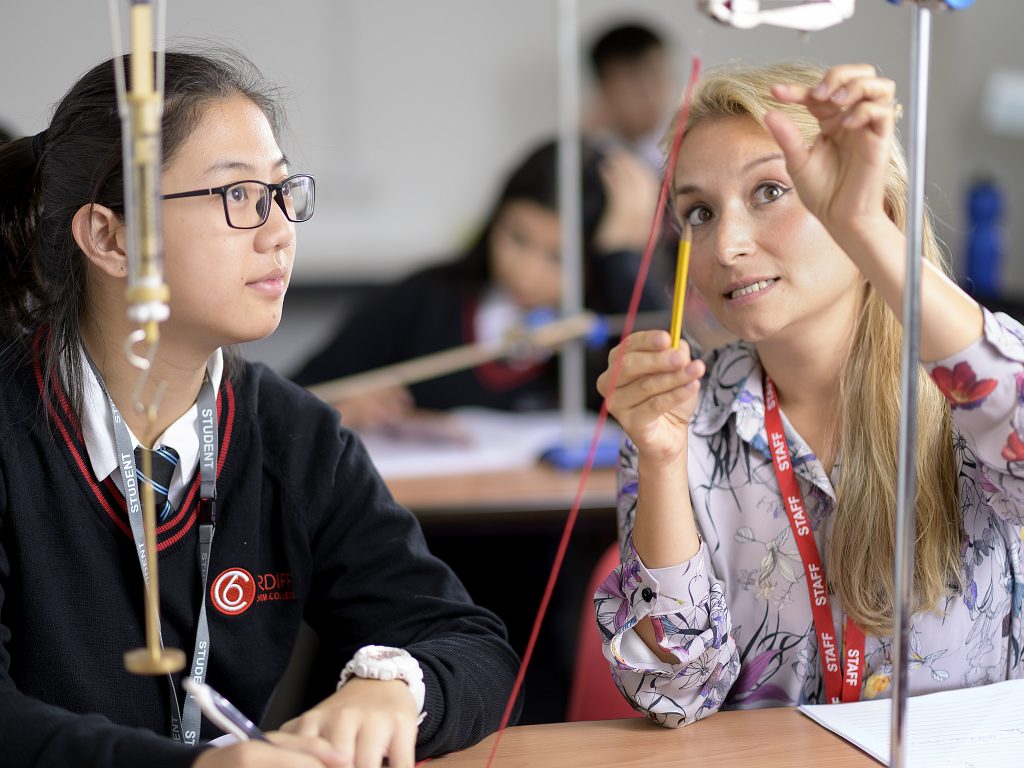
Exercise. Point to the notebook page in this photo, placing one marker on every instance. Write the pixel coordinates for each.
(979, 727)
(492, 441)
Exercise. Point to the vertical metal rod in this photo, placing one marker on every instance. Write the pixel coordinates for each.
(906, 485)
(569, 207)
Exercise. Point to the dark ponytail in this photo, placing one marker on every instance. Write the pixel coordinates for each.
(41, 266)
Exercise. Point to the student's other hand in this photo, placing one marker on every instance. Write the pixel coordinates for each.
(656, 393)
(382, 408)
(431, 428)
(841, 177)
(367, 719)
(632, 195)
(286, 750)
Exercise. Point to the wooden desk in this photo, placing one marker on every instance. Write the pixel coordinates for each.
(539, 488)
(763, 738)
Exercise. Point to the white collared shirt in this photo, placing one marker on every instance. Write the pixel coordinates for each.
(98, 432)
(496, 315)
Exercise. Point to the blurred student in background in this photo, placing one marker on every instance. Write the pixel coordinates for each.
(513, 268)
(634, 91)
(635, 98)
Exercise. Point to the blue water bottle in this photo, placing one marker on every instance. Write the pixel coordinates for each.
(984, 240)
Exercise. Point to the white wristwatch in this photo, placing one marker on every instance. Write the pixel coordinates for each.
(380, 662)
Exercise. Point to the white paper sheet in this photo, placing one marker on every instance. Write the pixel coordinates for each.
(494, 441)
(979, 727)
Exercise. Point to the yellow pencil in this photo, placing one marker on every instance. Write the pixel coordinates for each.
(679, 297)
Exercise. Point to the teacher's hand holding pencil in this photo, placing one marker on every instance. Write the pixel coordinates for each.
(658, 383)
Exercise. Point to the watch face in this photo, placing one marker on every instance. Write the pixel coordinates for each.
(383, 654)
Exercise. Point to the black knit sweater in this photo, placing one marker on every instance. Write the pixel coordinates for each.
(300, 509)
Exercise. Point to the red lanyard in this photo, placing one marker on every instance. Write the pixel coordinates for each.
(838, 687)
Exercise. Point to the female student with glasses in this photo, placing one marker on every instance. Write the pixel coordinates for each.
(733, 593)
(303, 528)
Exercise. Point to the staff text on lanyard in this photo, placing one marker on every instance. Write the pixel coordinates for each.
(839, 686)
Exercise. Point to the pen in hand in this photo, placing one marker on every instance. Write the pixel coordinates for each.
(222, 712)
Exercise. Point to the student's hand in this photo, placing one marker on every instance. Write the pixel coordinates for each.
(632, 195)
(367, 719)
(384, 407)
(286, 751)
(656, 394)
(841, 177)
(429, 427)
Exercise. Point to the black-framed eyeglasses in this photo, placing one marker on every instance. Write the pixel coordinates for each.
(247, 203)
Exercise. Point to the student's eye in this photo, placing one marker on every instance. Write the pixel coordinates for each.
(237, 194)
(697, 215)
(769, 192)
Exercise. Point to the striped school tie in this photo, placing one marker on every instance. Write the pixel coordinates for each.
(164, 459)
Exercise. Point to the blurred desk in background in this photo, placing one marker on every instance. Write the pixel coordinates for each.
(765, 738)
(536, 490)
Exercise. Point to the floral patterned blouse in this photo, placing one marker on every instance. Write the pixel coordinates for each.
(737, 615)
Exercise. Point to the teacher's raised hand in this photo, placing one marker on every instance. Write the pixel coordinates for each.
(841, 176)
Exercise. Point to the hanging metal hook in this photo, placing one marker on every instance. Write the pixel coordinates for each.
(140, 105)
(144, 365)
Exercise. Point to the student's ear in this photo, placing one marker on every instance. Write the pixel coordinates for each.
(101, 235)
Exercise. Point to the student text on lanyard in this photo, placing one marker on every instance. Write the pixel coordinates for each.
(839, 686)
(185, 724)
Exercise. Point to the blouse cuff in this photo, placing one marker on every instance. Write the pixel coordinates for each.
(663, 591)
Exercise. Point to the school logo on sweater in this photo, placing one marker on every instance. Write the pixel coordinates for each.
(235, 590)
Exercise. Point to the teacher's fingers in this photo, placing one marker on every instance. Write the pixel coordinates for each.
(877, 89)
(879, 118)
(675, 405)
(639, 363)
(643, 390)
(789, 139)
(834, 94)
(839, 77)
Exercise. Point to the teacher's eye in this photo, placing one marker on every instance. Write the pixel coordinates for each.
(697, 215)
(769, 192)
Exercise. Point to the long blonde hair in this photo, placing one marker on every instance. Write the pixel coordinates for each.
(862, 539)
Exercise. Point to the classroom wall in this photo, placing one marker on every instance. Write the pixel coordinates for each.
(410, 112)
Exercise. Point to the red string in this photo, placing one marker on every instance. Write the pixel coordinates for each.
(627, 329)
